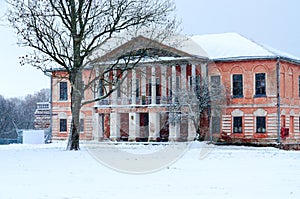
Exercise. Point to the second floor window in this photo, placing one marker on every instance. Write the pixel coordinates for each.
(237, 86)
(63, 91)
(299, 86)
(137, 83)
(260, 84)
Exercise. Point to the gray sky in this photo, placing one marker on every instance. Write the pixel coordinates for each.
(271, 22)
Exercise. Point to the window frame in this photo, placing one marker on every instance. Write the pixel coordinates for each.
(63, 123)
(237, 86)
(237, 123)
(81, 125)
(262, 89)
(63, 91)
(299, 86)
(261, 124)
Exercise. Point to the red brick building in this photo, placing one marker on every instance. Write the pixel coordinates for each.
(262, 89)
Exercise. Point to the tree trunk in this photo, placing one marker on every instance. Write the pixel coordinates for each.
(76, 97)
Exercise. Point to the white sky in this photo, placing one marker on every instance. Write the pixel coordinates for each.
(271, 22)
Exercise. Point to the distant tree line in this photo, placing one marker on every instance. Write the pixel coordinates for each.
(19, 112)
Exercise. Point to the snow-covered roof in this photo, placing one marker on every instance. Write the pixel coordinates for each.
(233, 46)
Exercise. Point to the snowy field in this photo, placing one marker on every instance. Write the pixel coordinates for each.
(48, 171)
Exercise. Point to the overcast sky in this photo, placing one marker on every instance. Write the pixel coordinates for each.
(271, 22)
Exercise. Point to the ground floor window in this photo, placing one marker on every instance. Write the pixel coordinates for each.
(63, 125)
(237, 124)
(260, 124)
(81, 125)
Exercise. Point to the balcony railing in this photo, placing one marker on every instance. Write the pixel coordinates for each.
(144, 100)
(43, 106)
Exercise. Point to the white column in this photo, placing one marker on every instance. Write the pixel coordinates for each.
(191, 130)
(174, 131)
(193, 77)
(114, 126)
(173, 83)
(143, 84)
(153, 85)
(97, 126)
(164, 85)
(134, 126)
(133, 86)
(154, 126)
(114, 95)
(183, 77)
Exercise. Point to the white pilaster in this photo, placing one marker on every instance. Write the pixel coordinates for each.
(203, 69)
(114, 126)
(134, 126)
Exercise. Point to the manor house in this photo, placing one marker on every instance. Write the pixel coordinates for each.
(261, 94)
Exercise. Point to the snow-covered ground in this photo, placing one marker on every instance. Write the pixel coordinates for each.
(48, 171)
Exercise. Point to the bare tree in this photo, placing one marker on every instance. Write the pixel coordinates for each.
(199, 101)
(67, 34)
(19, 111)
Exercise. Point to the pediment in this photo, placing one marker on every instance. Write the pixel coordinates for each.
(142, 46)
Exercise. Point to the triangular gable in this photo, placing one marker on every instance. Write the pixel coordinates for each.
(144, 45)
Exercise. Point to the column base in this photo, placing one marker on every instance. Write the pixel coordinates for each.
(153, 139)
(132, 139)
(114, 139)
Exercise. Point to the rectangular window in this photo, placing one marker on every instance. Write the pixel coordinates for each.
(198, 86)
(137, 87)
(260, 84)
(260, 124)
(63, 125)
(63, 91)
(82, 91)
(81, 125)
(149, 87)
(101, 88)
(299, 86)
(237, 86)
(190, 79)
(216, 127)
(237, 125)
(215, 80)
